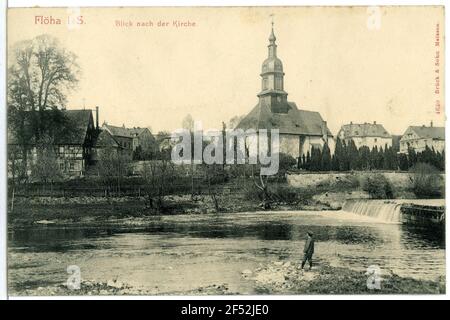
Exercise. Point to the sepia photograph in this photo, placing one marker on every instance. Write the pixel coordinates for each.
(225, 151)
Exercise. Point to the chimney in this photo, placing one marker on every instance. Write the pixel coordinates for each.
(351, 122)
(96, 117)
(431, 124)
(374, 122)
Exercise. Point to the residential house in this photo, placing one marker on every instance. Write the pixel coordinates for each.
(365, 134)
(130, 138)
(104, 142)
(72, 147)
(418, 137)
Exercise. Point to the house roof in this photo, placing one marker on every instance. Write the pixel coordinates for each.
(75, 124)
(364, 130)
(80, 120)
(437, 133)
(105, 140)
(118, 131)
(125, 132)
(291, 121)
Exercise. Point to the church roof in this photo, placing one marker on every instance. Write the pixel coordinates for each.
(364, 130)
(293, 121)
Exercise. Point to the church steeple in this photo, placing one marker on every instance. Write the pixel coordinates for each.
(272, 45)
(272, 82)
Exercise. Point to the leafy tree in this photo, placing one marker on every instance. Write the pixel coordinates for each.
(403, 162)
(412, 157)
(365, 158)
(316, 159)
(352, 152)
(325, 164)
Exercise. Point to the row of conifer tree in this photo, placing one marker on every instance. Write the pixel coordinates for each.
(348, 157)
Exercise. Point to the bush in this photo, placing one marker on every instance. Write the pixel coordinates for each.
(283, 193)
(426, 181)
(378, 186)
(348, 182)
(286, 162)
(251, 192)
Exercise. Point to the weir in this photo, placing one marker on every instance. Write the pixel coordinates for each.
(413, 212)
(383, 210)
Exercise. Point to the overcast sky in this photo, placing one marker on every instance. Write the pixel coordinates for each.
(334, 64)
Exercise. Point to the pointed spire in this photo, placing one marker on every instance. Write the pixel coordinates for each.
(272, 37)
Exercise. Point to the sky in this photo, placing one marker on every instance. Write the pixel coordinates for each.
(348, 63)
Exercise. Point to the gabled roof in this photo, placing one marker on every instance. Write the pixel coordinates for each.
(291, 121)
(364, 130)
(137, 131)
(80, 119)
(75, 124)
(437, 133)
(118, 131)
(125, 132)
(105, 140)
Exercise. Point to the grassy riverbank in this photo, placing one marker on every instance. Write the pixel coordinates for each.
(288, 279)
(275, 278)
(28, 211)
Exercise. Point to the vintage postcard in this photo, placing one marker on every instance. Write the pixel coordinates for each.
(225, 151)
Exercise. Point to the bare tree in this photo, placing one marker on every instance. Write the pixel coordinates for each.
(212, 172)
(40, 75)
(188, 124)
(261, 182)
(157, 176)
(46, 168)
(113, 166)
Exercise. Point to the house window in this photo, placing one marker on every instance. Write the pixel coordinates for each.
(61, 149)
(72, 166)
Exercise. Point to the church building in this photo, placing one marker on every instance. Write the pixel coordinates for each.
(300, 130)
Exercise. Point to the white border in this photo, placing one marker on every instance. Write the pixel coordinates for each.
(3, 181)
(112, 3)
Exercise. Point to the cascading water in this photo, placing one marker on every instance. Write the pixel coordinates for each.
(383, 210)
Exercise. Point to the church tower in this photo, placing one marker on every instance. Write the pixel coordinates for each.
(272, 80)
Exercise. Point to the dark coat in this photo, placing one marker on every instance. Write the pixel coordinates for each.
(309, 247)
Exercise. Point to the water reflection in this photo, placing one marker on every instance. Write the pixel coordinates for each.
(219, 245)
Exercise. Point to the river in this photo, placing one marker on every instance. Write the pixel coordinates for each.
(168, 254)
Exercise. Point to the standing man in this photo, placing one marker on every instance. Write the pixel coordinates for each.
(308, 250)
